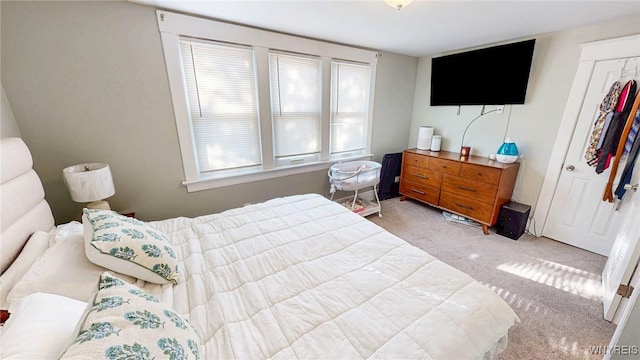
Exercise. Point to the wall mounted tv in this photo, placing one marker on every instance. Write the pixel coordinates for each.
(496, 75)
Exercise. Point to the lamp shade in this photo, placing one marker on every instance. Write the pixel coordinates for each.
(89, 182)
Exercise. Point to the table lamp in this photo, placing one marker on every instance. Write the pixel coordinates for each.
(90, 183)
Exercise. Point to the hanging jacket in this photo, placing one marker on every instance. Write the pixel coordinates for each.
(606, 108)
(612, 137)
(631, 161)
(631, 138)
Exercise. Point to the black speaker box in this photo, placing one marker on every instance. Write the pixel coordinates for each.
(513, 219)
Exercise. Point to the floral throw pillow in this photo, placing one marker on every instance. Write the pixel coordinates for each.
(124, 322)
(129, 246)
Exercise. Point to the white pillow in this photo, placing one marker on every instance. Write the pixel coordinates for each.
(39, 326)
(63, 269)
(34, 248)
(129, 246)
(123, 321)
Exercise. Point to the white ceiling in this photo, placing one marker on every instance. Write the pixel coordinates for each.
(424, 27)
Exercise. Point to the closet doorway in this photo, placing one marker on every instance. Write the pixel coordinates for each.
(577, 215)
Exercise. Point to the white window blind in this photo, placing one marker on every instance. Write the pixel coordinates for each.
(222, 96)
(349, 107)
(252, 104)
(296, 87)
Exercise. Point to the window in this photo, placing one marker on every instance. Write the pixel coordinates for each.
(296, 106)
(349, 107)
(221, 90)
(251, 104)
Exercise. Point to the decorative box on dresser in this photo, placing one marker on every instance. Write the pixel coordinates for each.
(472, 186)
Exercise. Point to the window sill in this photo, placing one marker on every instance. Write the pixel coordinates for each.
(212, 182)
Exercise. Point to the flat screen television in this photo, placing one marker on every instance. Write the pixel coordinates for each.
(496, 75)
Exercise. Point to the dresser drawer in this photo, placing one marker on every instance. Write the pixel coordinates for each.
(481, 173)
(445, 166)
(415, 160)
(463, 205)
(422, 176)
(421, 192)
(472, 189)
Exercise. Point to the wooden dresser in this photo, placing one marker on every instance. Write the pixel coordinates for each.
(473, 186)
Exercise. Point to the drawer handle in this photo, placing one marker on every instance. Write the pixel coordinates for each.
(420, 176)
(466, 188)
(444, 166)
(463, 206)
(479, 174)
(418, 191)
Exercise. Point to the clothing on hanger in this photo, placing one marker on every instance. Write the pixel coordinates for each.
(605, 128)
(633, 133)
(606, 107)
(631, 161)
(612, 137)
(607, 122)
(608, 189)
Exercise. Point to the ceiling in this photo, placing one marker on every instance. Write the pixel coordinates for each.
(422, 28)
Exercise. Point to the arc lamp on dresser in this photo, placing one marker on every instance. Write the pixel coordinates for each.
(472, 186)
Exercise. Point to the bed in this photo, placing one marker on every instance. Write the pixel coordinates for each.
(293, 277)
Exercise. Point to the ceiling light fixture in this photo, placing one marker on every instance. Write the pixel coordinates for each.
(398, 4)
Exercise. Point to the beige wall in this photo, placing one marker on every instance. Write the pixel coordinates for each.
(532, 126)
(87, 83)
(395, 84)
(8, 124)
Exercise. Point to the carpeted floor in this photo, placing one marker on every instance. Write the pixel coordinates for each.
(554, 288)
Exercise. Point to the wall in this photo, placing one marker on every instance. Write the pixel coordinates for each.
(395, 84)
(87, 83)
(532, 126)
(8, 124)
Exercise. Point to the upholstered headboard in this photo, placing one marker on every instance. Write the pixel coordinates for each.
(23, 209)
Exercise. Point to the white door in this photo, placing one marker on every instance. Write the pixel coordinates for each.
(577, 215)
(628, 328)
(625, 251)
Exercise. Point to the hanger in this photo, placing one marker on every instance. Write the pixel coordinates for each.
(624, 67)
(624, 73)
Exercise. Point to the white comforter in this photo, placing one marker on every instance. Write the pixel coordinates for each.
(302, 277)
